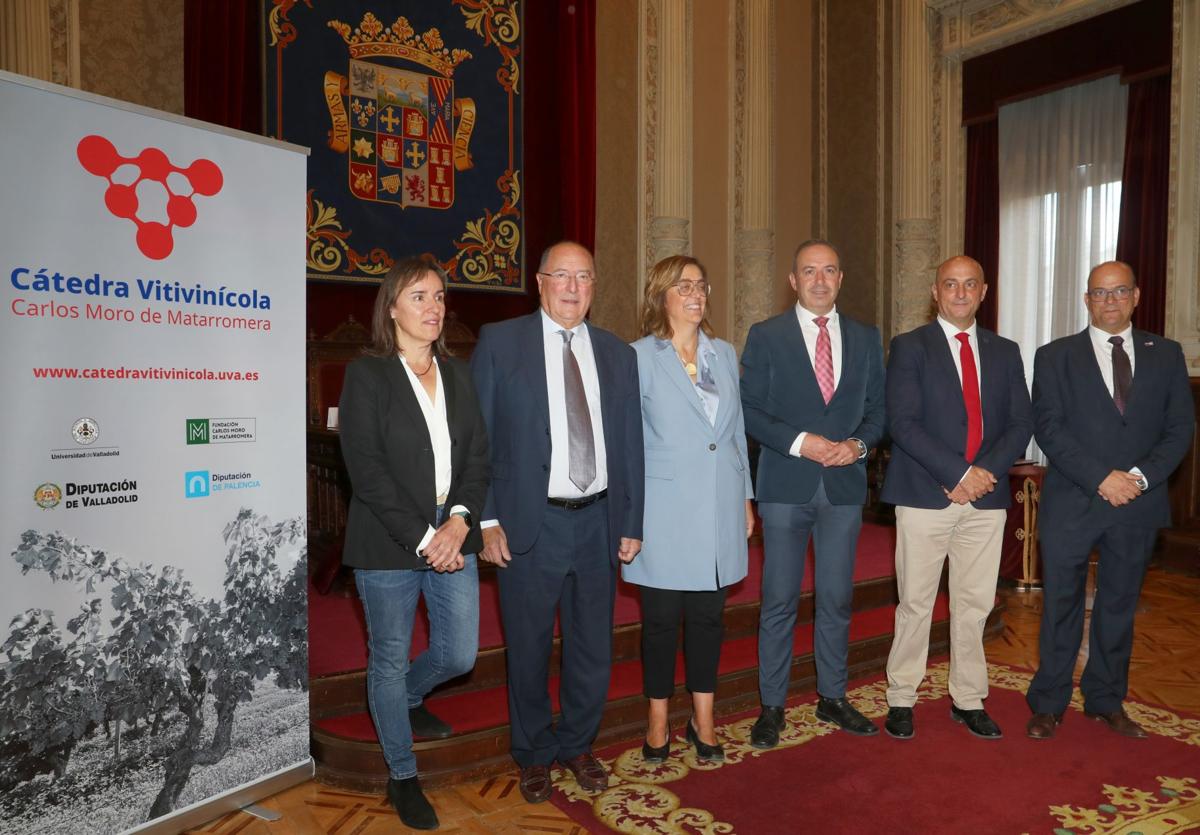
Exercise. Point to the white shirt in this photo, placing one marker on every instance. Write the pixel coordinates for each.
(561, 486)
(434, 412)
(1103, 351)
(952, 333)
(810, 331)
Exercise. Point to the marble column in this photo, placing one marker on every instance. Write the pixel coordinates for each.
(667, 126)
(754, 239)
(916, 225)
(1183, 253)
(25, 38)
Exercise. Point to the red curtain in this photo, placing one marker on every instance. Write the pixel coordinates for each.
(1142, 233)
(222, 75)
(560, 125)
(982, 233)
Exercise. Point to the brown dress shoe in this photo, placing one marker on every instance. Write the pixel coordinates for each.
(589, 774)
(535, 783)
(1119, 722)
(1043, 725)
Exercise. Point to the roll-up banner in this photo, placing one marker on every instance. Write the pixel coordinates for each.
(153, 635)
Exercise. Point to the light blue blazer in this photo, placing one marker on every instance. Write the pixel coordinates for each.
(697, 474)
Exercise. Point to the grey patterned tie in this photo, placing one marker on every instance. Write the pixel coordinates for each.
(1122, 373)
(582, 444)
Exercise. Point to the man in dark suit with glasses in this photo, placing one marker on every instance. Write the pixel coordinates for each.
(1113, 412)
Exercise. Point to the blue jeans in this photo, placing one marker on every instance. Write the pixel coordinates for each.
(394, 685)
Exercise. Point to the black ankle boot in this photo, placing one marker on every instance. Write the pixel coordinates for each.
(410, 803)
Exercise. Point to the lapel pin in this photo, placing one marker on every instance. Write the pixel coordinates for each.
(1148, 343)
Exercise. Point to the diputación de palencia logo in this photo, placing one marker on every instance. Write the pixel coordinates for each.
(198, 484)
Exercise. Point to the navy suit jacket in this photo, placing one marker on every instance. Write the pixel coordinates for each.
(1086, 438)
(927, 418)
(781, 399)
(509, 367)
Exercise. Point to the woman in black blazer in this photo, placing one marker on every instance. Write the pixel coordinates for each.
(415, 446)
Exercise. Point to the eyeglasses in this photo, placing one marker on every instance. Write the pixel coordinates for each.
(687, 288)
(562, 276)
(1101, 294)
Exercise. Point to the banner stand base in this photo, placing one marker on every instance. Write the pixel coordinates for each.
(231, 801)
(262, 812)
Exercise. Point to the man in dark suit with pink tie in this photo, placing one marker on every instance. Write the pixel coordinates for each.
(1114, 415)
(959, 416)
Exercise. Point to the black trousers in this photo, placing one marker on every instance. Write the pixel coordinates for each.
(1124, 555)
(703, 628)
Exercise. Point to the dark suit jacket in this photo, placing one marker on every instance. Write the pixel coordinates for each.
(389, 456)
(509, 367)
(927, 418)
(781, 399)
(1086, 438)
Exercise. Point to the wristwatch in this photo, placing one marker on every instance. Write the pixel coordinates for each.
(1143, 484)
(862, 448)
(465, 515)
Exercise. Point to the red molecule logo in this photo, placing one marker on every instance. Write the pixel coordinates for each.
(98, 156)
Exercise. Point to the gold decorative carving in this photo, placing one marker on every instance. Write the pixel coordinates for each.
(399, 40)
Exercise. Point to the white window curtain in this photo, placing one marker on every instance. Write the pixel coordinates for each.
(1061, 157)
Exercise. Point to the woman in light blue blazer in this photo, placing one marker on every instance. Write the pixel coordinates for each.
(698, 490)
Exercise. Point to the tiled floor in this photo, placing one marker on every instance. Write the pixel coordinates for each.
(1165, 670)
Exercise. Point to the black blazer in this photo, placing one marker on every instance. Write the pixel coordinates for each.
(1086, 438)
(509, 367)
(389, 456)
(927, 417)
(781, 399)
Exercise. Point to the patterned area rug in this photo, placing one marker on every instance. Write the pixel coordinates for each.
(1085, 781)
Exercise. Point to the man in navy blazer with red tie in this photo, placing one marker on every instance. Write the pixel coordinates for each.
(1114, 415)
(959, 416)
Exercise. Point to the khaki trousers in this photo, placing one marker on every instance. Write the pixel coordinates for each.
(971, 538)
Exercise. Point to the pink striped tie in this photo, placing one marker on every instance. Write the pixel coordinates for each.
(823, 364)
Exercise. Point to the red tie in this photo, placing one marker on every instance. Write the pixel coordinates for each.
(823, 365)
(970, 387)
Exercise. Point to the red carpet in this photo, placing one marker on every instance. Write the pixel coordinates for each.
(1086, 780)
(337, 634)
(481, 709)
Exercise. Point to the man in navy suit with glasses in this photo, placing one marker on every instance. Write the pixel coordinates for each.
(1114, 415)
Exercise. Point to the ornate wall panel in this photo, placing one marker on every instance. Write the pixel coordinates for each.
(133, 50)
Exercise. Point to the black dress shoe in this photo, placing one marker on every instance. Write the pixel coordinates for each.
(843, 714)
(427, 726)
(899, 722)
(410, 804)
(657, 755)
(977, 722)
(704, 751)
(765, 733)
